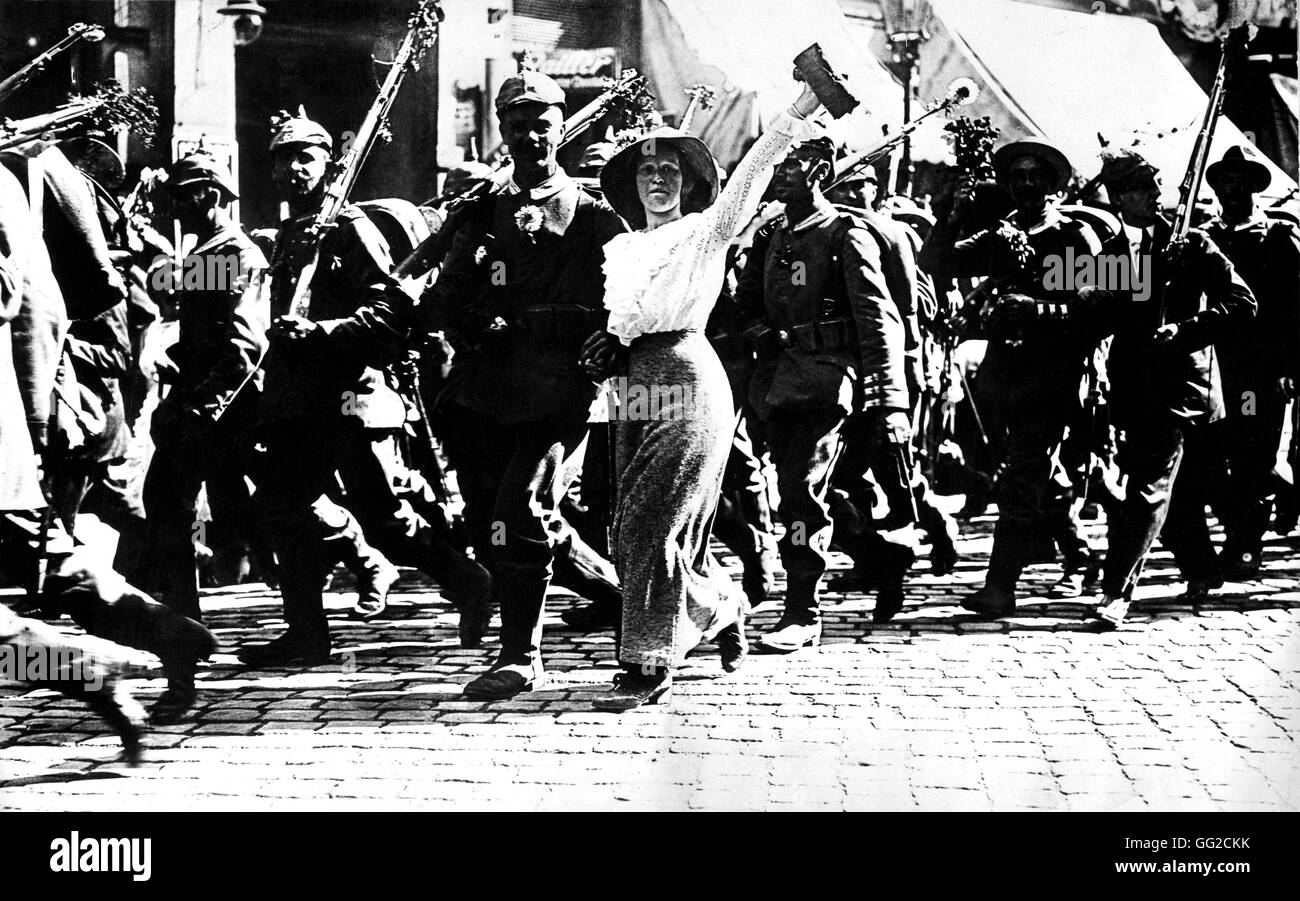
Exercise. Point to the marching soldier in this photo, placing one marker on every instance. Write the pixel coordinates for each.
(1259, 362)
(914, 293)
(224, 306)
(320, 379)
(35, 548)
(1038, 350)
(1165, 387)
(522, 287)
(830, 344)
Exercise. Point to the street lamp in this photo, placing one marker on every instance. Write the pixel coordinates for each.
(906, 25)
(248, 16)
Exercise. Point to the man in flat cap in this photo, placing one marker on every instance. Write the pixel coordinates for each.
(1165, 386)
(1039, 344)
(224, 308)
(1259, 362)
(521, 292)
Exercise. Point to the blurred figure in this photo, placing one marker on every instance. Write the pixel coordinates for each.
(1258, 362)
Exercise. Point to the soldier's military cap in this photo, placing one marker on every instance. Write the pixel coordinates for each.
(529, 87)
(201, 168)
(287, 128)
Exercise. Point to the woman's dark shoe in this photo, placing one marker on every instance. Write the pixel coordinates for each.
(635, 688)
(733, 646)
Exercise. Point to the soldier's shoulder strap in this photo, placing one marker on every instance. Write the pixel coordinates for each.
(850, 219)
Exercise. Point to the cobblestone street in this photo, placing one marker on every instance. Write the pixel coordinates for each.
(1188, 707)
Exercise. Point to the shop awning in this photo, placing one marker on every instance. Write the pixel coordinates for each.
(744, 49)
(1077, 79)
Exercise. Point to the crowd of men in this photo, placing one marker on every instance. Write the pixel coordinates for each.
(289, 427)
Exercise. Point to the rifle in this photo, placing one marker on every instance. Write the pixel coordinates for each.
(301, 255)
(1233, 45)
(961, 92)
(630, 90)
(91, 34)
(407, 375)
(108, 109)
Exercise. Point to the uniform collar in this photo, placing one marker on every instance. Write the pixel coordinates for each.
(558, 181)
(225, 234)
(557, 198)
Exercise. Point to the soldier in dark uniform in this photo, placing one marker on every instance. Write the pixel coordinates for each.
(830, 344)
(1165, 387)
(1259, 362)
(224, 305)
(319, 375)
(522, 290)
(1038, 351)
(914, 293)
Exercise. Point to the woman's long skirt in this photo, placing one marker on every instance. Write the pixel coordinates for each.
(674, 428)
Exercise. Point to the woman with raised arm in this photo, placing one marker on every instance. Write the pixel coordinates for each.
(676, 418)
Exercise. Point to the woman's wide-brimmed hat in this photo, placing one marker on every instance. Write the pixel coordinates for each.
(699, 188)
(1007, 154)
(1235, 160)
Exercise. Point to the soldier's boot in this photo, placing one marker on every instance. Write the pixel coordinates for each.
(302, 564)
(853, 534)
(978, 497)
(800, 624)
(1012, 547)
(587, 574)
(87, 679)
(1081, 563)
(465, 583)
(521, 594)
(940, 528)
(894, 558)
(375, 574)
(742, 535)
(112, 702)
(103, 604)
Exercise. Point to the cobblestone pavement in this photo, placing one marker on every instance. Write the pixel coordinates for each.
(1188, 707)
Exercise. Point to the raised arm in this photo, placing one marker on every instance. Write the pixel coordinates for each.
(739, 199)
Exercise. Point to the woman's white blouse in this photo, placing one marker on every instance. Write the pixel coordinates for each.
(669, 279)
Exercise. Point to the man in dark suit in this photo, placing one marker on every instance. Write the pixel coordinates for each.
(1259, 362)
(1165, 386)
